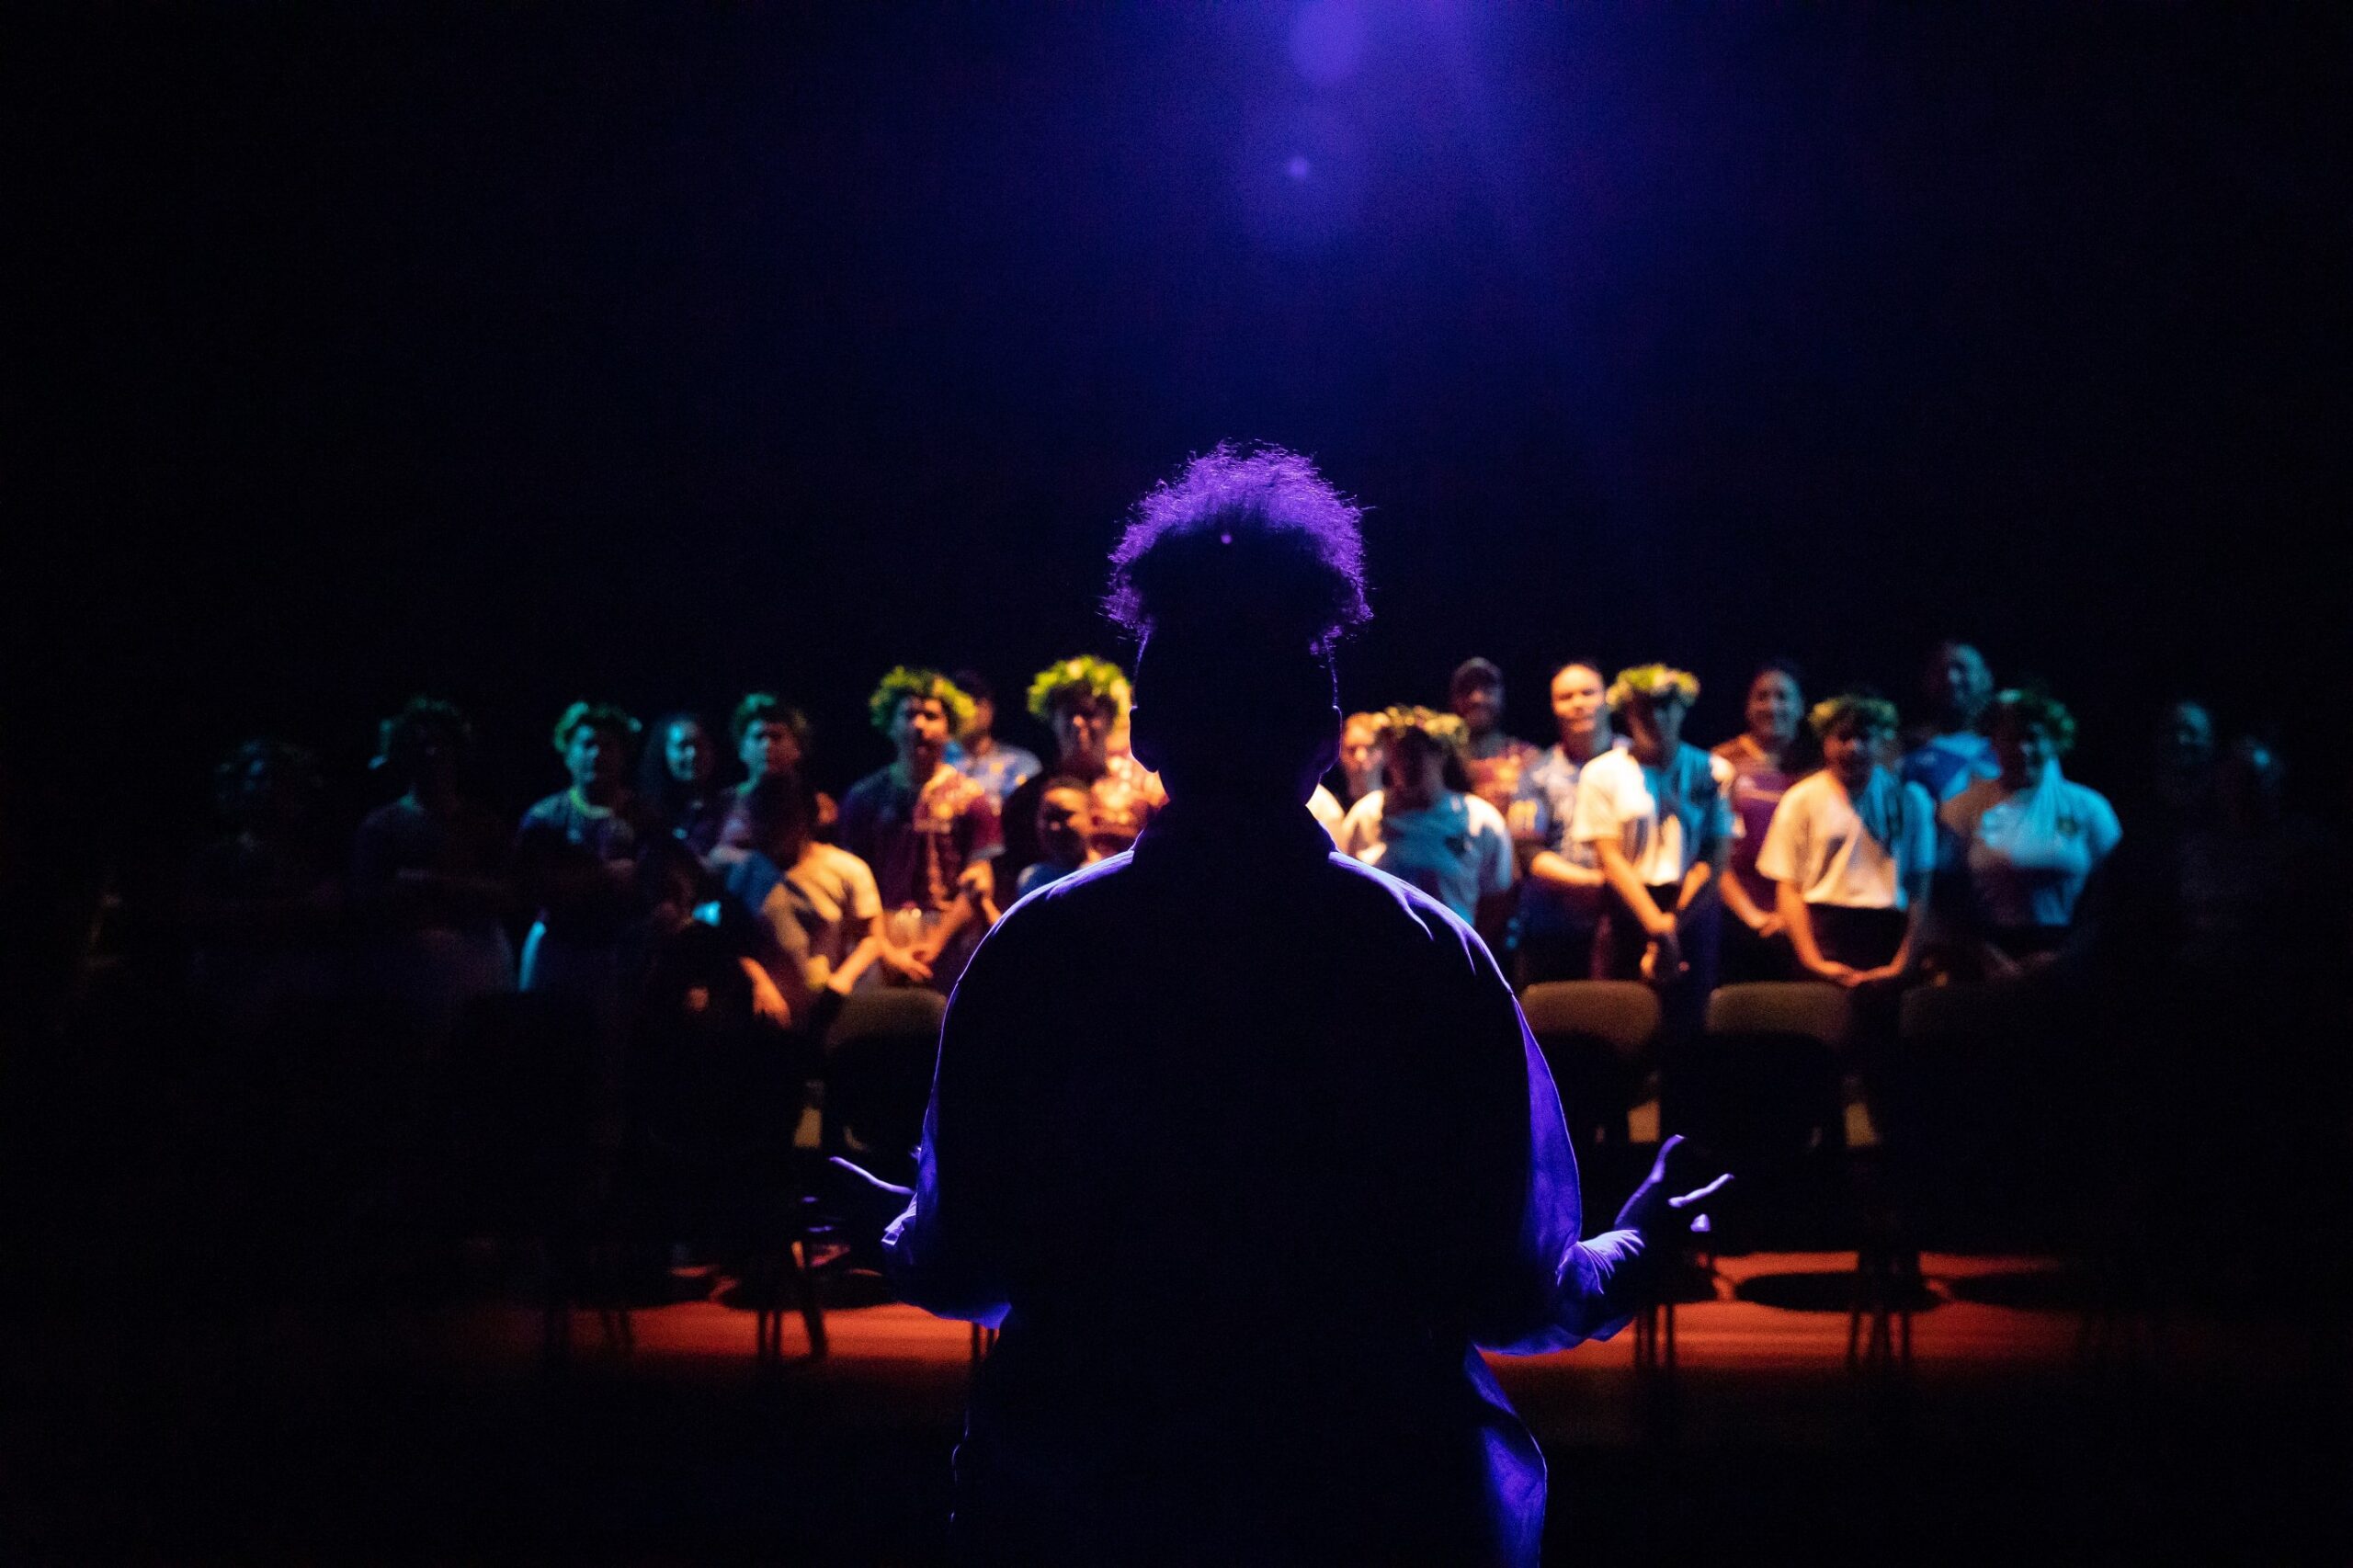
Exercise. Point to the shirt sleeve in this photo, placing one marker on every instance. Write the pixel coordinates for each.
(1596, 817)
(945, 1253)
(1784, 847)
(1497, 866)
(2101, 828)
(1918, 852)
(1545, 1289)
(865, 896)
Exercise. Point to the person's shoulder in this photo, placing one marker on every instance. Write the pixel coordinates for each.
(1809, 790)
(1968, 803)
(1612, 765)
(551, 810)
(1484, 817)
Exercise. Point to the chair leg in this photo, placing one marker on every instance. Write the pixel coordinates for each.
(800, 1258)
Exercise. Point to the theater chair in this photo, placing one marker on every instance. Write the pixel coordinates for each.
(880, 1052)
(1758, 1094)
(1973, 1107)
(1597, 1037)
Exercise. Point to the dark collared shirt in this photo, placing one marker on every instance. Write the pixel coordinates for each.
(1247, 1149)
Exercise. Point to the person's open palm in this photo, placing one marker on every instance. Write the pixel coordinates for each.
(1669, 1200)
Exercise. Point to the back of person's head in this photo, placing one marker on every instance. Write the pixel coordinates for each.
(1238, 577)
(780, 815)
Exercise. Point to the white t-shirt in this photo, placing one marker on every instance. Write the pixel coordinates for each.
(1457, 850)
(1619, 797)
(1852, 852)
(832, 891)
(2028, 855)
(1324, 807)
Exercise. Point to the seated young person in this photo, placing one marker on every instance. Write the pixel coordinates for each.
(1491, 759)
(1425, 828)
(1655, 816)
(928, 832)
(1766, 758)
(2026, 842)
(771, 740)
(1084, 700)
(428, 879)
(678, 782)
(1065, 822)
(1850, 850)
(1561, 893)
(575, 854)
(998, 767)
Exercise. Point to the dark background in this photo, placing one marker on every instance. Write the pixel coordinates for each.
(521, 353)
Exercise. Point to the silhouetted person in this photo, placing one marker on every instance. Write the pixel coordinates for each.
(1242, 1143)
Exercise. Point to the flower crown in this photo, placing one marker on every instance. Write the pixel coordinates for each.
(1858, 709)
(929, 685)
(1100, 679)
(1653, 683)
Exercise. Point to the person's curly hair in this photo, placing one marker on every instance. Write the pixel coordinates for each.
(929, 686)
(1653, 683)
(2020, 707)
(596, 715)
(1253, 539)
(1082, 678)
(766, 705)
(1850, 711)
(401, 740)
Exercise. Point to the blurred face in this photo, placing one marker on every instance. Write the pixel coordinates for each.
(1083, 731)
(1414, 775)
(1851, 751)
(594, 757)
(1773, 706)
(686, 752)
(1577, 707)
(1958, 682)
(1064, 824)
(1656, 725)
(1480, 706)
(1361, 757)
(2025, 751)
(984, 719)
(769, 748)
(919, 729)
(2186, 738)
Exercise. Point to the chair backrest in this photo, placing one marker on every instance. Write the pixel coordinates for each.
(1982, 1014)
(1622, 1014)
(1809, 1008)
(895, 1013)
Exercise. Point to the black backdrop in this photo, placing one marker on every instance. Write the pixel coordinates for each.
(521, 353)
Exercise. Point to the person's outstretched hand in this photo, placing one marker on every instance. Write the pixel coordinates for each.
(866, 1204)
(1665, 1206)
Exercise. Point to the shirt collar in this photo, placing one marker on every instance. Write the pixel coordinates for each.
(1228, 830)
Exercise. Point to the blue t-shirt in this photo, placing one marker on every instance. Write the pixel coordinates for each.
(1946, 764)
(1541, 809)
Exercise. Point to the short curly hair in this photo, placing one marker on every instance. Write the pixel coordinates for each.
(1082, 678)
(928, 685)
(2021, 707)
(1248, 537)
(595, 715)
(766, 705)
(1852, 710)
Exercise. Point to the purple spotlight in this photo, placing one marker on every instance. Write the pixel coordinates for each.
(1298, 167)
(1327, 39)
